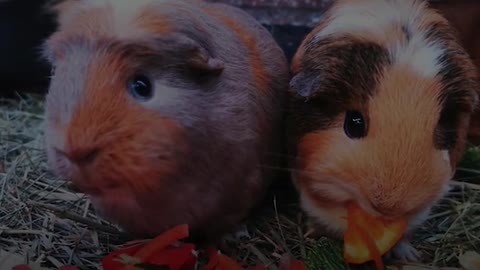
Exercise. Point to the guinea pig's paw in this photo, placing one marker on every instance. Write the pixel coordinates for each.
(404, 252)
(242, 232)
(239, 234)
(313, 229)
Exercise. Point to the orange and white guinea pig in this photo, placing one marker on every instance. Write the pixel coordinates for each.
(165, 112)
(379, 114)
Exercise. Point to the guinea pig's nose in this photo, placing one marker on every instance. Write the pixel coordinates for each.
(81, 155)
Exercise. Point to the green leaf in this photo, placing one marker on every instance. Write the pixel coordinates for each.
(471, 158)
(327, 254)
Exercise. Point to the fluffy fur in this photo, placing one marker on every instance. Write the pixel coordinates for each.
(400, 64)
(197, 152)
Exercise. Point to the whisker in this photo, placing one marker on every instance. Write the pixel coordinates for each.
(283, 155)
(286, 169)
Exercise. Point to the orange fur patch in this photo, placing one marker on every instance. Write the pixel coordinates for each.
(129, 137)
(307, 165)
(308, 147)
(150, 19)
(259, 70)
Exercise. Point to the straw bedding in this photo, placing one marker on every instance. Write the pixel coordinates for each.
(45, 223)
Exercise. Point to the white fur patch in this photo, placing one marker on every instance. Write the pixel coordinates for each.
(331, 218)
(124, 14)
(165, 96)
(332, 189)
(371, 17)
(421, 57)
(446, 156)
(376, 17)
(418, 220)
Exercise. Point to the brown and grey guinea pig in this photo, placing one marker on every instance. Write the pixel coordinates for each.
(379, 113)
(165, 112)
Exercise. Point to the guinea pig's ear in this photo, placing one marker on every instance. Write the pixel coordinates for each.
(201, 60)
(190, 54)
(305, 84)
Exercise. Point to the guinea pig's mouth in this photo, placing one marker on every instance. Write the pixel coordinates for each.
(368, 237)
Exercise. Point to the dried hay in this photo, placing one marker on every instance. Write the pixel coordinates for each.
(40, 218)
(43, 221)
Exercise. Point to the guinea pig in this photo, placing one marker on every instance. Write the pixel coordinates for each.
(165, 112)
(379, 110)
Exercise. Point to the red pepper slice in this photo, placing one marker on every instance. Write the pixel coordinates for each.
(190, 264)
(227, 263)
(212, 254)
(174, 258)
(21, 267)
(110, 262)
(289, 263)
(162, 241)
(143, 252)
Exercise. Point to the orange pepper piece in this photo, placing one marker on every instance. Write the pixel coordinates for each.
(368, 238)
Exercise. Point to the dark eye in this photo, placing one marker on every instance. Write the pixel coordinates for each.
(140, 87)
(354, 126)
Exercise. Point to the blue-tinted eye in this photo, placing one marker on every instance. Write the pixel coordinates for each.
(354, 126)
(140, 87)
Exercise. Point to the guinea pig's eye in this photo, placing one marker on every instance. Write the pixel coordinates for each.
(354, 126)
(140, 87)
